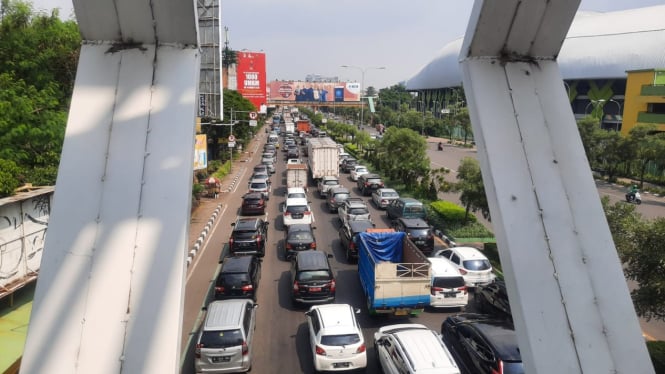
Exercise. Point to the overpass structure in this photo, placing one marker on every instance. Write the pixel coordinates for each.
(110, 291)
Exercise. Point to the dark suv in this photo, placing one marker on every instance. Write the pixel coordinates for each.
(493, 299)
(312, 279)
(482, 344)
(249, 236)
(347, 235)
(298, 237)
(336, 197)
(253, 203)
(348, 164)
(238, 278)
(368, 183)
(419, 231)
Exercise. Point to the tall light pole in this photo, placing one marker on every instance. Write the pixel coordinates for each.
(362, 86)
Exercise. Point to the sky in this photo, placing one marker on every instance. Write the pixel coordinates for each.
(301, 37)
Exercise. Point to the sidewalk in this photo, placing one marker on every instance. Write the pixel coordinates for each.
(204, 215)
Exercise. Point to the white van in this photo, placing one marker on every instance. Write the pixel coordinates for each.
(273, 139)
(448, 289)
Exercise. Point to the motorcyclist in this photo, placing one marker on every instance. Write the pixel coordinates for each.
(632, 191)
(440, 146)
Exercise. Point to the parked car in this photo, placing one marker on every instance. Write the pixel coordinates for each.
(335, 338)
(368, 183)
(224, 343)
(348, 164)
(353, 209)
(418, 231)
(471, 263)
(326, 183)
(411, 348)
(347, 235)
(238, 278)
(312, 278)
(357, 171)
(336, 197)
(493, 299)
(405, 207)
(249, 236)
(482, 344)
(448, 289)
(297, 210)
(383, 196)
(260, 185)
(298, 237)
(253, 203)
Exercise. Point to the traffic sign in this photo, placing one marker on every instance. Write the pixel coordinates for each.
(253, 115)
(253, 123)
(232, 138)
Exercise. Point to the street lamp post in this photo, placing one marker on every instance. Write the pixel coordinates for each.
(362, 86)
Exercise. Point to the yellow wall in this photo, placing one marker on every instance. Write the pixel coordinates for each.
(634, 102)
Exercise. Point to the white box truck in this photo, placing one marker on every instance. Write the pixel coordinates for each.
(323, 158)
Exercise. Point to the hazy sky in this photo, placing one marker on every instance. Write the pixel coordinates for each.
(303, 37)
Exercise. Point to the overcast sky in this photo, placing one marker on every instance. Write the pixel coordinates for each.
(303, 37)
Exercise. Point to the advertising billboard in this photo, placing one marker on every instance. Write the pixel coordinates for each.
(313, 91)
(251, 75)
(201, 152)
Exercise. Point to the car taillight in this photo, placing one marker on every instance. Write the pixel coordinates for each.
(287, 213)
(197, 351)
(463, 289)
(434, 290)
(258, 239)
(352, 245)
(429, 235)
(295, 286)
(462, 271)
(332, 286)
(219, 289)
(366, 184)
(500, 369)
(313, 245)
(230, 242)
(247, 287)
(361, 349)
(288, 246)
(245, 348)
(307, 213)
(384, 201)
(320, 351)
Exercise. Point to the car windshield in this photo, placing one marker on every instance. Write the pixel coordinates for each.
(296, 195)
(296, 208)
(233, 279)
(221, 338)
(312, 275)
(244, 234)
(477, 264)
(361, 170)
(258, 185)
(448, 282)
(340, 340)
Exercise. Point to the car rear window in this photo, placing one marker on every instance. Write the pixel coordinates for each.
(419, 232)
(448, 282)
(312, 275)
(258, 185)
(331, 182)
(414, 209)
(296, 208)
(373, 180)
(296, 194)
(389, 194)
(221, 338)
(358, 211)
(300, 235)
(340, 340)
(233, 279)
(477, 265)
(244, 234)
(341, 196)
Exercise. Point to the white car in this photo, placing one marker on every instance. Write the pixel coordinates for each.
(293, 161)
(357, 171)
(297, 210)
(471, 263)
(383, 196)
(260, 185)
(336, 338)
(294, 192)
(412, 348)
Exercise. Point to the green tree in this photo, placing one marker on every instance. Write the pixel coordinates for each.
(471, 188)
(9, 177)
(616, 150)
(590, 133)
(463, 120)
(402, 155)
(647, 146)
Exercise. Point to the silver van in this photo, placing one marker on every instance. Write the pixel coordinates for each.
(224, 344)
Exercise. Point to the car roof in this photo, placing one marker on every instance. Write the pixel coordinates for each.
(300, 227)
(253, 195)
(336, 319)
(441, 266)
(313, 260)
(236, 264)
(371, 175)
(386, 190)
(247, 223)
(500, 333)
(469, 252)
(296, 201)
(294, 190)
(339, 190)
(360, 225)
(414, 223)
(225, 314)
(355, 201)
(257, 180)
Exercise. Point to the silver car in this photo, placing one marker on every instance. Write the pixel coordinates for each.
(383, 196)
(260, 185)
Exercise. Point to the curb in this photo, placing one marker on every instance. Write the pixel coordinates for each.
(199, 242)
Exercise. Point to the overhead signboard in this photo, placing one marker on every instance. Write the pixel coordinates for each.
(299, 91)
(251, 73)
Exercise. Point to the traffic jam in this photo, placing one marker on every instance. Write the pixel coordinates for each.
(408, 279)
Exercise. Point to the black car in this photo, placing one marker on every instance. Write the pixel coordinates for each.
(312, 279)
(418, 231)
(249, 236)
(253, 203)
(348, 164)
(293, 152)
(493, 299)
(482, 344)
(238, 278)
(368, 183)
(347, 235)
(298, 237)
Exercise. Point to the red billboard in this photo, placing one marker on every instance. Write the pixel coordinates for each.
(252, 77)
(313, 91)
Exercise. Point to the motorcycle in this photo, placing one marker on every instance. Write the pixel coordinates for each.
(634, 198)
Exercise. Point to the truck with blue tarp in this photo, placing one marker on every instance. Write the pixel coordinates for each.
(394, 273)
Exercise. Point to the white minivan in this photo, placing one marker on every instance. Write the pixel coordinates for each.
(448, 289)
